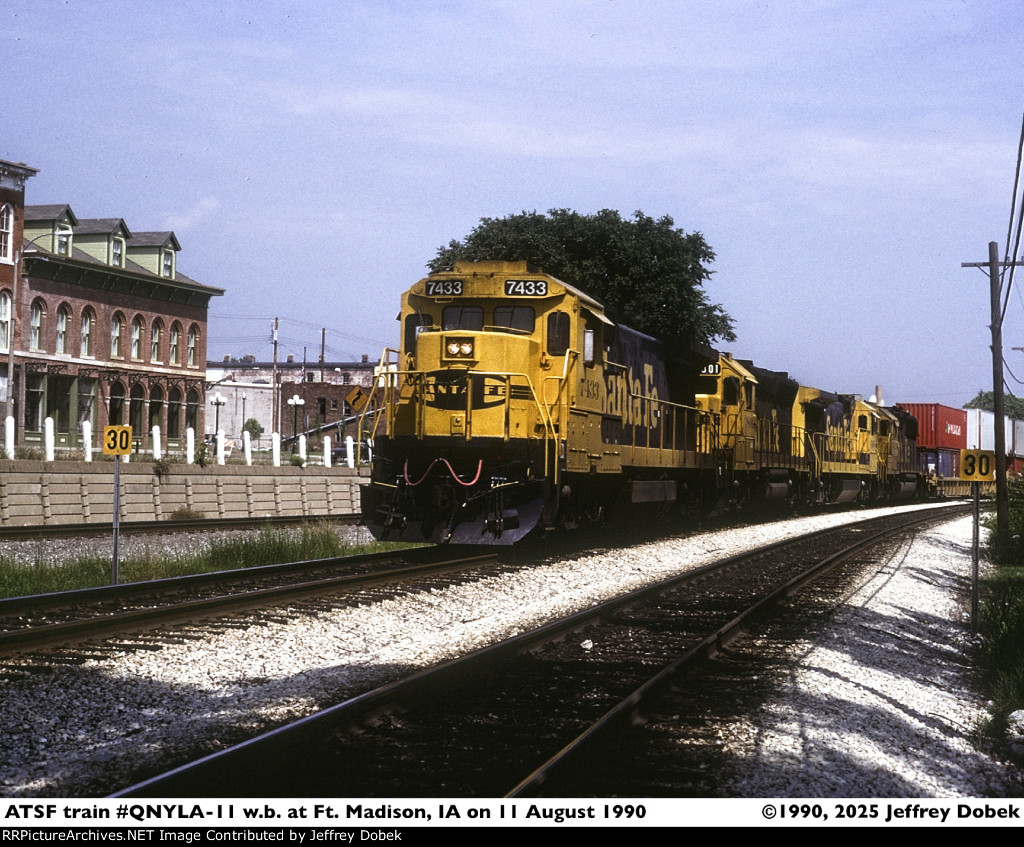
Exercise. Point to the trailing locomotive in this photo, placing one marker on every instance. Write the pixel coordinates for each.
(515, 402)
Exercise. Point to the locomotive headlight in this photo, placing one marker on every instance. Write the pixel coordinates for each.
(459, 348)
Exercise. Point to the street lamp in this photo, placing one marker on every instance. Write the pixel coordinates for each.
(295, 401)
(217, 401)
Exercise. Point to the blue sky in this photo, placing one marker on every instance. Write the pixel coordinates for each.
(841, 158)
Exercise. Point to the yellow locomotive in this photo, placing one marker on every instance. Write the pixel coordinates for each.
(516, 402)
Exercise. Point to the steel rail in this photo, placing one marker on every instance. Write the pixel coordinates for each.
(711, 646)
(13, 641)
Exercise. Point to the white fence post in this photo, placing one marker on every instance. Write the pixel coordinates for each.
(87, 439)
(48, 439)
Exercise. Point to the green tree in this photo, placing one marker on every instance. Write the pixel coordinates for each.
(647, 273)
(1013, 407)
(252, 426)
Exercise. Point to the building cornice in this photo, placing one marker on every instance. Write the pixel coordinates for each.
(44, 265)
(14, 174)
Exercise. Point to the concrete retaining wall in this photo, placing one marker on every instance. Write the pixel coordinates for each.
(34, 492)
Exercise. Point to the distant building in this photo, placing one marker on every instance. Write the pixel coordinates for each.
(246, 388)
(106, 329)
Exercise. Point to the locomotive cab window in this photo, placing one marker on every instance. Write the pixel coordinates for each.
(592, 342)
(518, 318)
(730, 391)
(414, 324)
(463, 317)
(558, 333)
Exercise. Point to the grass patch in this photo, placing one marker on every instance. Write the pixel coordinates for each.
(1001, 617)
(269, 546)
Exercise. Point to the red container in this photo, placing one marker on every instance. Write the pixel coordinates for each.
(939, 426)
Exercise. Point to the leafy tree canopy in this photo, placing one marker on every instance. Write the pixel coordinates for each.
(1013, 407)
(647, 273)
(253, 427)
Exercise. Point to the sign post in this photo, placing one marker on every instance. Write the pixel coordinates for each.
(976, 466)
(117, 442)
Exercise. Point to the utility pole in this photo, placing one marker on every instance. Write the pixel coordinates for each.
(993, 264)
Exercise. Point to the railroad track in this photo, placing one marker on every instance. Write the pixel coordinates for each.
(516, 719)
(72, 617)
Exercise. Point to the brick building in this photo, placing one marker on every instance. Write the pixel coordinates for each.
(106, 329)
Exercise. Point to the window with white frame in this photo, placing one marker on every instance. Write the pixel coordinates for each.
(193, 344)
(6, 231)
(116, 328)
(63, 320)
(137, 338)
(155, 337)
(5, 319)
(117, 252)
(35, 325)
(64, 240)
(168, 263)
(173, 343)
(88, 319)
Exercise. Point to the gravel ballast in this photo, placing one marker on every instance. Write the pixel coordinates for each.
(90, 729)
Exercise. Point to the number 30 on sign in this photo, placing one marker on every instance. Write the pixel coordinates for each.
(977, 465)
(117, 440)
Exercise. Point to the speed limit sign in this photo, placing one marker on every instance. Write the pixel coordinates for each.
(117, 440)
(977, 465)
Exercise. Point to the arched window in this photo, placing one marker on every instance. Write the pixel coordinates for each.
(35, 325)
(192, 410)
(155, 337)
(137, 409)
(63, 322)
(174, 413)
(116, 331)
(116, 416)
(6, 231)
(174, 344)
(5, 319)
(137, 338)
(156, 407)
(193, 346)
(88, 322)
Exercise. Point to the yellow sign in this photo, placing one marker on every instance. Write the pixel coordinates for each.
(117, 440)
(357, 398)
(978, 465)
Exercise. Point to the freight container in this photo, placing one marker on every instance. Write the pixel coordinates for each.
(939, 426)
(940, 463)
(1016, 449)
(981, 430)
